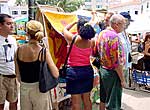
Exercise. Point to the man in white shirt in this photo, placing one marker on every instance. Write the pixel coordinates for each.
(127, 46)
(8, 46)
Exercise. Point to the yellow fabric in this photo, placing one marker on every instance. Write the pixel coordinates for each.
(60, 20)
(54, 23)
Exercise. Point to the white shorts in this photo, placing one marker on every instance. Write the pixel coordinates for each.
(32, 99)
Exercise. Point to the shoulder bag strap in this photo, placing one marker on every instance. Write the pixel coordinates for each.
(44, 52)
(17, 53)
(42, 55)
(69, 50)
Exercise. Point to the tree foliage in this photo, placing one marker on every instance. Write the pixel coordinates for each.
(69, 5)
(66, 5)
(43, 2)
(21, 2)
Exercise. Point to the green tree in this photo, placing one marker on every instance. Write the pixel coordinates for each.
(42, 1)
(66, 5)
(69, 5)
(18, 2)
(21, 2)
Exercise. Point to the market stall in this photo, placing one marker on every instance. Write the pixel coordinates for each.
(20, 33)
(140, 77)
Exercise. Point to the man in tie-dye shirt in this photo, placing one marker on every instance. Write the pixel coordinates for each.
(112, 58)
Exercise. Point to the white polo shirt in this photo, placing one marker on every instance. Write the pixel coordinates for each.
(7, 51)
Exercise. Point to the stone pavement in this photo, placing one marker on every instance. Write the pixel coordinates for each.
(131, 100)
(135, 100)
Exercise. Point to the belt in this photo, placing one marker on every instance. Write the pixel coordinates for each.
(8, 76)
(107, 68)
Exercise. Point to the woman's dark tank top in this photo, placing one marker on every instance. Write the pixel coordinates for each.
(146, 56)
(29, 71)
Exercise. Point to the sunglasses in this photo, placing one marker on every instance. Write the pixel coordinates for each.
(9, 45)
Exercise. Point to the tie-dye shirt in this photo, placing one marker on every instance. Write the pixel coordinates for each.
(110, 49)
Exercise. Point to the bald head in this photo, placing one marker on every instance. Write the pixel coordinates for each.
(117, 22)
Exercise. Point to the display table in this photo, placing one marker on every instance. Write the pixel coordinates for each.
(140, 77)
(136, 56)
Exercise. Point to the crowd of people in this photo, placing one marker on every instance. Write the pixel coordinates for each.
(111, 44)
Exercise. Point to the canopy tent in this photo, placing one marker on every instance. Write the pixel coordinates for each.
(141, 24)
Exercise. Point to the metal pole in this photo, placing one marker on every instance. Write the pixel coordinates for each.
(31, 6)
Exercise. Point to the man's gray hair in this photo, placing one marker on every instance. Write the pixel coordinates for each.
(116, 18)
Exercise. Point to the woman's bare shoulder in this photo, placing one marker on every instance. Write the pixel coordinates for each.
(27, 53)
(93, 42)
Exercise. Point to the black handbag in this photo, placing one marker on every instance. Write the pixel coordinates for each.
(129, 58)
(62, 70)
(96, 62)
(140, 47)
(46, 80)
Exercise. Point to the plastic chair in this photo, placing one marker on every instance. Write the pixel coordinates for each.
(147, 77)
(139, 77)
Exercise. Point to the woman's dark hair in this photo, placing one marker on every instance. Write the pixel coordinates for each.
(86, 31)
(81, 23)
(3, 16)
(146, 38)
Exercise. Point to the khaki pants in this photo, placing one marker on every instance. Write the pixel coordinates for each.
(8, 90)
(32, 99)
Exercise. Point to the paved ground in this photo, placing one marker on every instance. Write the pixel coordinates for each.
(136, 100)
(132, 100)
